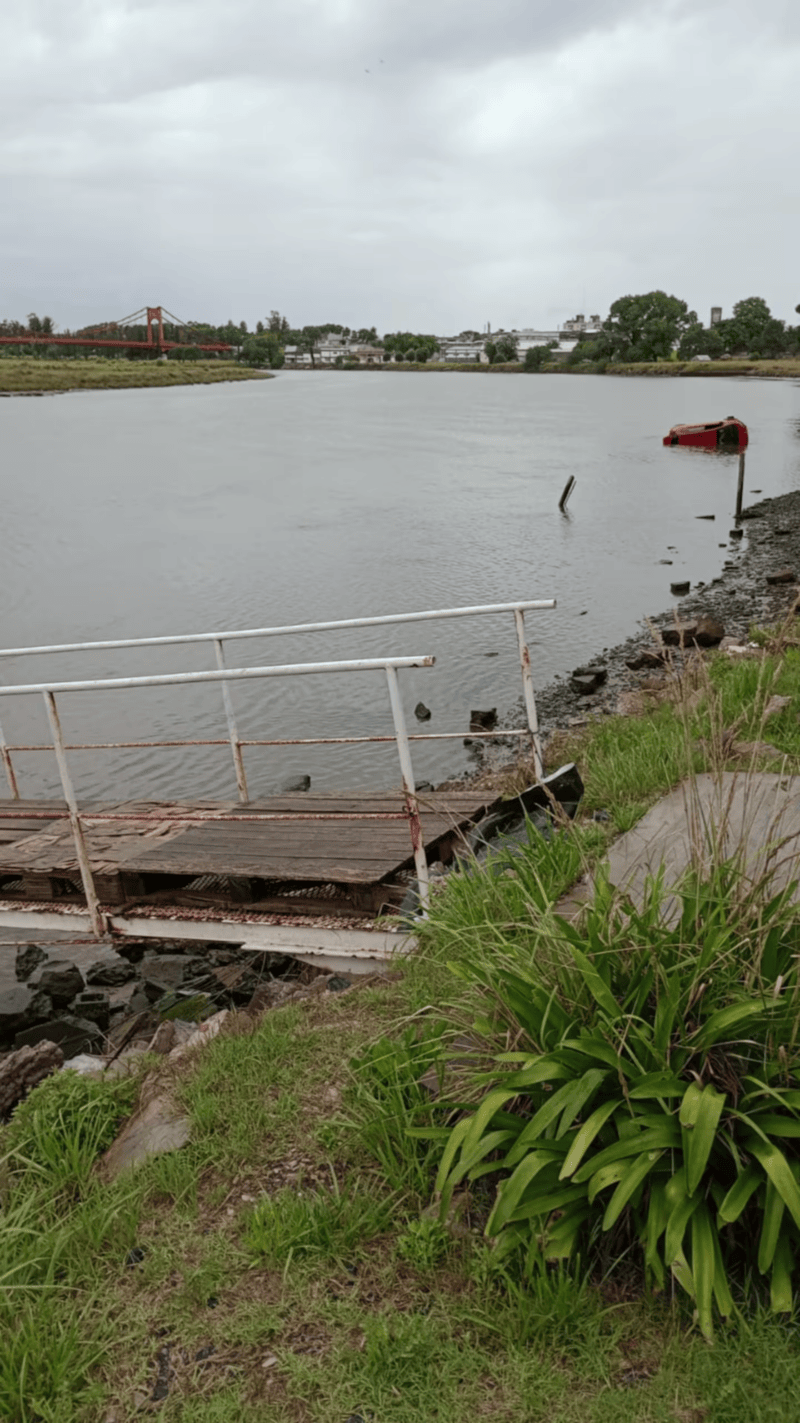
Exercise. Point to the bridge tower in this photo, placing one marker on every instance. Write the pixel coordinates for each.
(154, 315)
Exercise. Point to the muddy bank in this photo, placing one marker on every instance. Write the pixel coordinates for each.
(738, 598)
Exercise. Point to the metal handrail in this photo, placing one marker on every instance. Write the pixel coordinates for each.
(389, 665)
(239, 634)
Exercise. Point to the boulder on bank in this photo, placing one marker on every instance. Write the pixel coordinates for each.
(24, 1069)
(586, 680)
(21, 1008)
(60, 979)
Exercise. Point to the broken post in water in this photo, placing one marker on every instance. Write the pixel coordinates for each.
(740, 486)
(568, 488)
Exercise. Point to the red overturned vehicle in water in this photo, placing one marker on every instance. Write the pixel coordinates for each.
(727, 434)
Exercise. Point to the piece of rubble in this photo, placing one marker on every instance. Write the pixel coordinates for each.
(24, 1069)
(60, 979)
(709, 632)
(29, 958)
(585, 680)
(22, 1007)
(786, 575)
(73, 1035)
(158, 1127)
(679, 634)
(110, 972)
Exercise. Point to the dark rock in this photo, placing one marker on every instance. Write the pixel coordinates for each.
(425, 786)
(22, 1070)
(679, 588)
(73, 1035)
(645, 657)
(29, 958)
(297, 783)
(21, 1008)
(781, 533)
(785, 576)
(483, 720)
(585, 680)
(705, 516)
(165, 972)
(337, 983)
(110, 972)
(93, 1005)
(421, 712)
(710, 632)
(735, 533)
(60, 979)
(679, 634)
(667, 561)
(132, 949)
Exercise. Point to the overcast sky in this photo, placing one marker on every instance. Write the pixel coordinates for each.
(421, 164)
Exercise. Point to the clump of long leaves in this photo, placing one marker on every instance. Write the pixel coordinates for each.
(653, 1093)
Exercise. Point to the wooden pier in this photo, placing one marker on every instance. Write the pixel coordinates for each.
(289, 854)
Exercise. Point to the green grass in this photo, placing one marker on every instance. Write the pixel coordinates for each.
(33, 373)
(294, 1236)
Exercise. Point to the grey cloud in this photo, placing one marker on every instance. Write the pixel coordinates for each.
(503, 160)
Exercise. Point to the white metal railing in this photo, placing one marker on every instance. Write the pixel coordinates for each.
(389, 665)
(225, 675)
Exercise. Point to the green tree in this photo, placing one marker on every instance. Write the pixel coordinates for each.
(264, 350)
(277, 323)
(644, 327)
(405, 341)
(506, 348)
(538, 356)
(490, 347)
(700, 340)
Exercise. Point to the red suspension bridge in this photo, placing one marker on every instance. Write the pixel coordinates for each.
(111, 335)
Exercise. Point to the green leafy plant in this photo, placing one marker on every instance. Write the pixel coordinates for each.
(653, 1093)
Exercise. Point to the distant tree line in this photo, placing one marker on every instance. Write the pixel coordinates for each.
(650, 326)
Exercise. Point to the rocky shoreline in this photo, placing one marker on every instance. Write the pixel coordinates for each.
(738, 598)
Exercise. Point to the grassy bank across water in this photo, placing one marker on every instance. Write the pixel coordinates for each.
(757, 370)
(28, 374)
(288, 1264)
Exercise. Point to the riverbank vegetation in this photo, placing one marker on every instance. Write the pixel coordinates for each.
(34, 374)
(298, 1261)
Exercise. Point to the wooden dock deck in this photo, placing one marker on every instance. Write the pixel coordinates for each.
(345, 856)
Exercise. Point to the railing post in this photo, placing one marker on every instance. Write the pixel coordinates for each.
(409, 789)
(11, 776)
(92, 903)
(527, 689)
(241, 779)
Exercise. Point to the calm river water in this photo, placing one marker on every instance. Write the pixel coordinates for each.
(313, 497)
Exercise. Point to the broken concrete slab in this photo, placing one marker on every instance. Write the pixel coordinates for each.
(73, 1035)
(158, 1127)
(711, 818)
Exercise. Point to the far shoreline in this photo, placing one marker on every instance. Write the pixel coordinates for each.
(754, 370)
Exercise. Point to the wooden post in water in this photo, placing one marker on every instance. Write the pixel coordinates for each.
(568, 488)
(740, 486)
